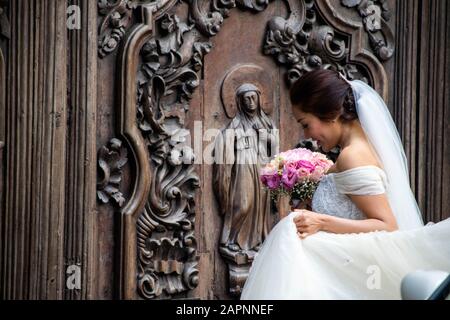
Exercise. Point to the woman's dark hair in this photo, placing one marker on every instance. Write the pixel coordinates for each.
(325, 94)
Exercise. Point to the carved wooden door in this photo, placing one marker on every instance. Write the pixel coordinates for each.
(107, 131)
(183, 66)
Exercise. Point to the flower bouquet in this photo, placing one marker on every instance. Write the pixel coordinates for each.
(295, 173)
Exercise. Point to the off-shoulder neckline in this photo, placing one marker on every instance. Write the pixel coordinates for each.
(358, 168)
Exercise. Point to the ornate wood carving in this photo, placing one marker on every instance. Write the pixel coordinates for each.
(167, 258)
(111, 159)
(159, 62)
(370, 69)
(162, 202)
(116, 17)
(307, 40)
(375, 15)
(157, 222)
(252, 138)
(50, 107)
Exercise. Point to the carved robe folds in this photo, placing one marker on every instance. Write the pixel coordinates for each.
(243, 146)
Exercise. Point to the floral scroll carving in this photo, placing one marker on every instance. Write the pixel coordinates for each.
(303, 43)
(116, 19)
(375, 14)
(111, 159)
(160, 56)
(315, 36)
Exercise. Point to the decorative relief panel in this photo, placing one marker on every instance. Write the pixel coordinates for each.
(160, 57)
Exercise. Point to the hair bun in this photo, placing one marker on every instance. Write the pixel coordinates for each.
(324, 94)
(349, 106)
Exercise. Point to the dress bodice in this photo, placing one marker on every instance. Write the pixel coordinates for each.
(331, 194)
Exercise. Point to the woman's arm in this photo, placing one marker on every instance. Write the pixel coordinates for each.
(376, 208)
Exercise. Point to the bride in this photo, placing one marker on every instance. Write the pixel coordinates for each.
(365, 230)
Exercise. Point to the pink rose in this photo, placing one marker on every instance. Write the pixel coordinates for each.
(290, 176)
(270, 169)
(303, 173)
(271, 181)
(317, 174)
(306, 165)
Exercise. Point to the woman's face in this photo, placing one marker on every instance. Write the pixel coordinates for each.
(250, 101)
(326, 133)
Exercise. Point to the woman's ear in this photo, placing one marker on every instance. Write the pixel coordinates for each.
(335, 119)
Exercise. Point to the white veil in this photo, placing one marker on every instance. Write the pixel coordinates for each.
(380, 129)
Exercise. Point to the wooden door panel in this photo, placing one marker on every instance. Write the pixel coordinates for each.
(172, 62)
(95, 125)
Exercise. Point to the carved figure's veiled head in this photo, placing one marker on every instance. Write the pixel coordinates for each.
(248, 98)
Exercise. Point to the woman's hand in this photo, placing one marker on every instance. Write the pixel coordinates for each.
(308, 222)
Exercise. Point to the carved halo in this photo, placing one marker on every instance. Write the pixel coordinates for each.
(247, 73)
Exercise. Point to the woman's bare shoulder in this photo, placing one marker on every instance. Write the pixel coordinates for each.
(356, 155)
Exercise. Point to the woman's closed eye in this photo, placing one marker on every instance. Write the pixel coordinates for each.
(304, 125)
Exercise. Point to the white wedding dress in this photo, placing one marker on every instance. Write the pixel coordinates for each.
(354, 266)
(344, 266)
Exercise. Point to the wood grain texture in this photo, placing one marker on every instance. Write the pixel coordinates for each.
(80, 234)
(48, 212)
(33, 265)
(421, 100)
(61, 100)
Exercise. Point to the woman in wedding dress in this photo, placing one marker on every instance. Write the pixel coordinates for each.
(365, 231)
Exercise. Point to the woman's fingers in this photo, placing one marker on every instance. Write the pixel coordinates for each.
(302, 235)
(300, 221)
(302, 228)
(299, 217)
(301, 225)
